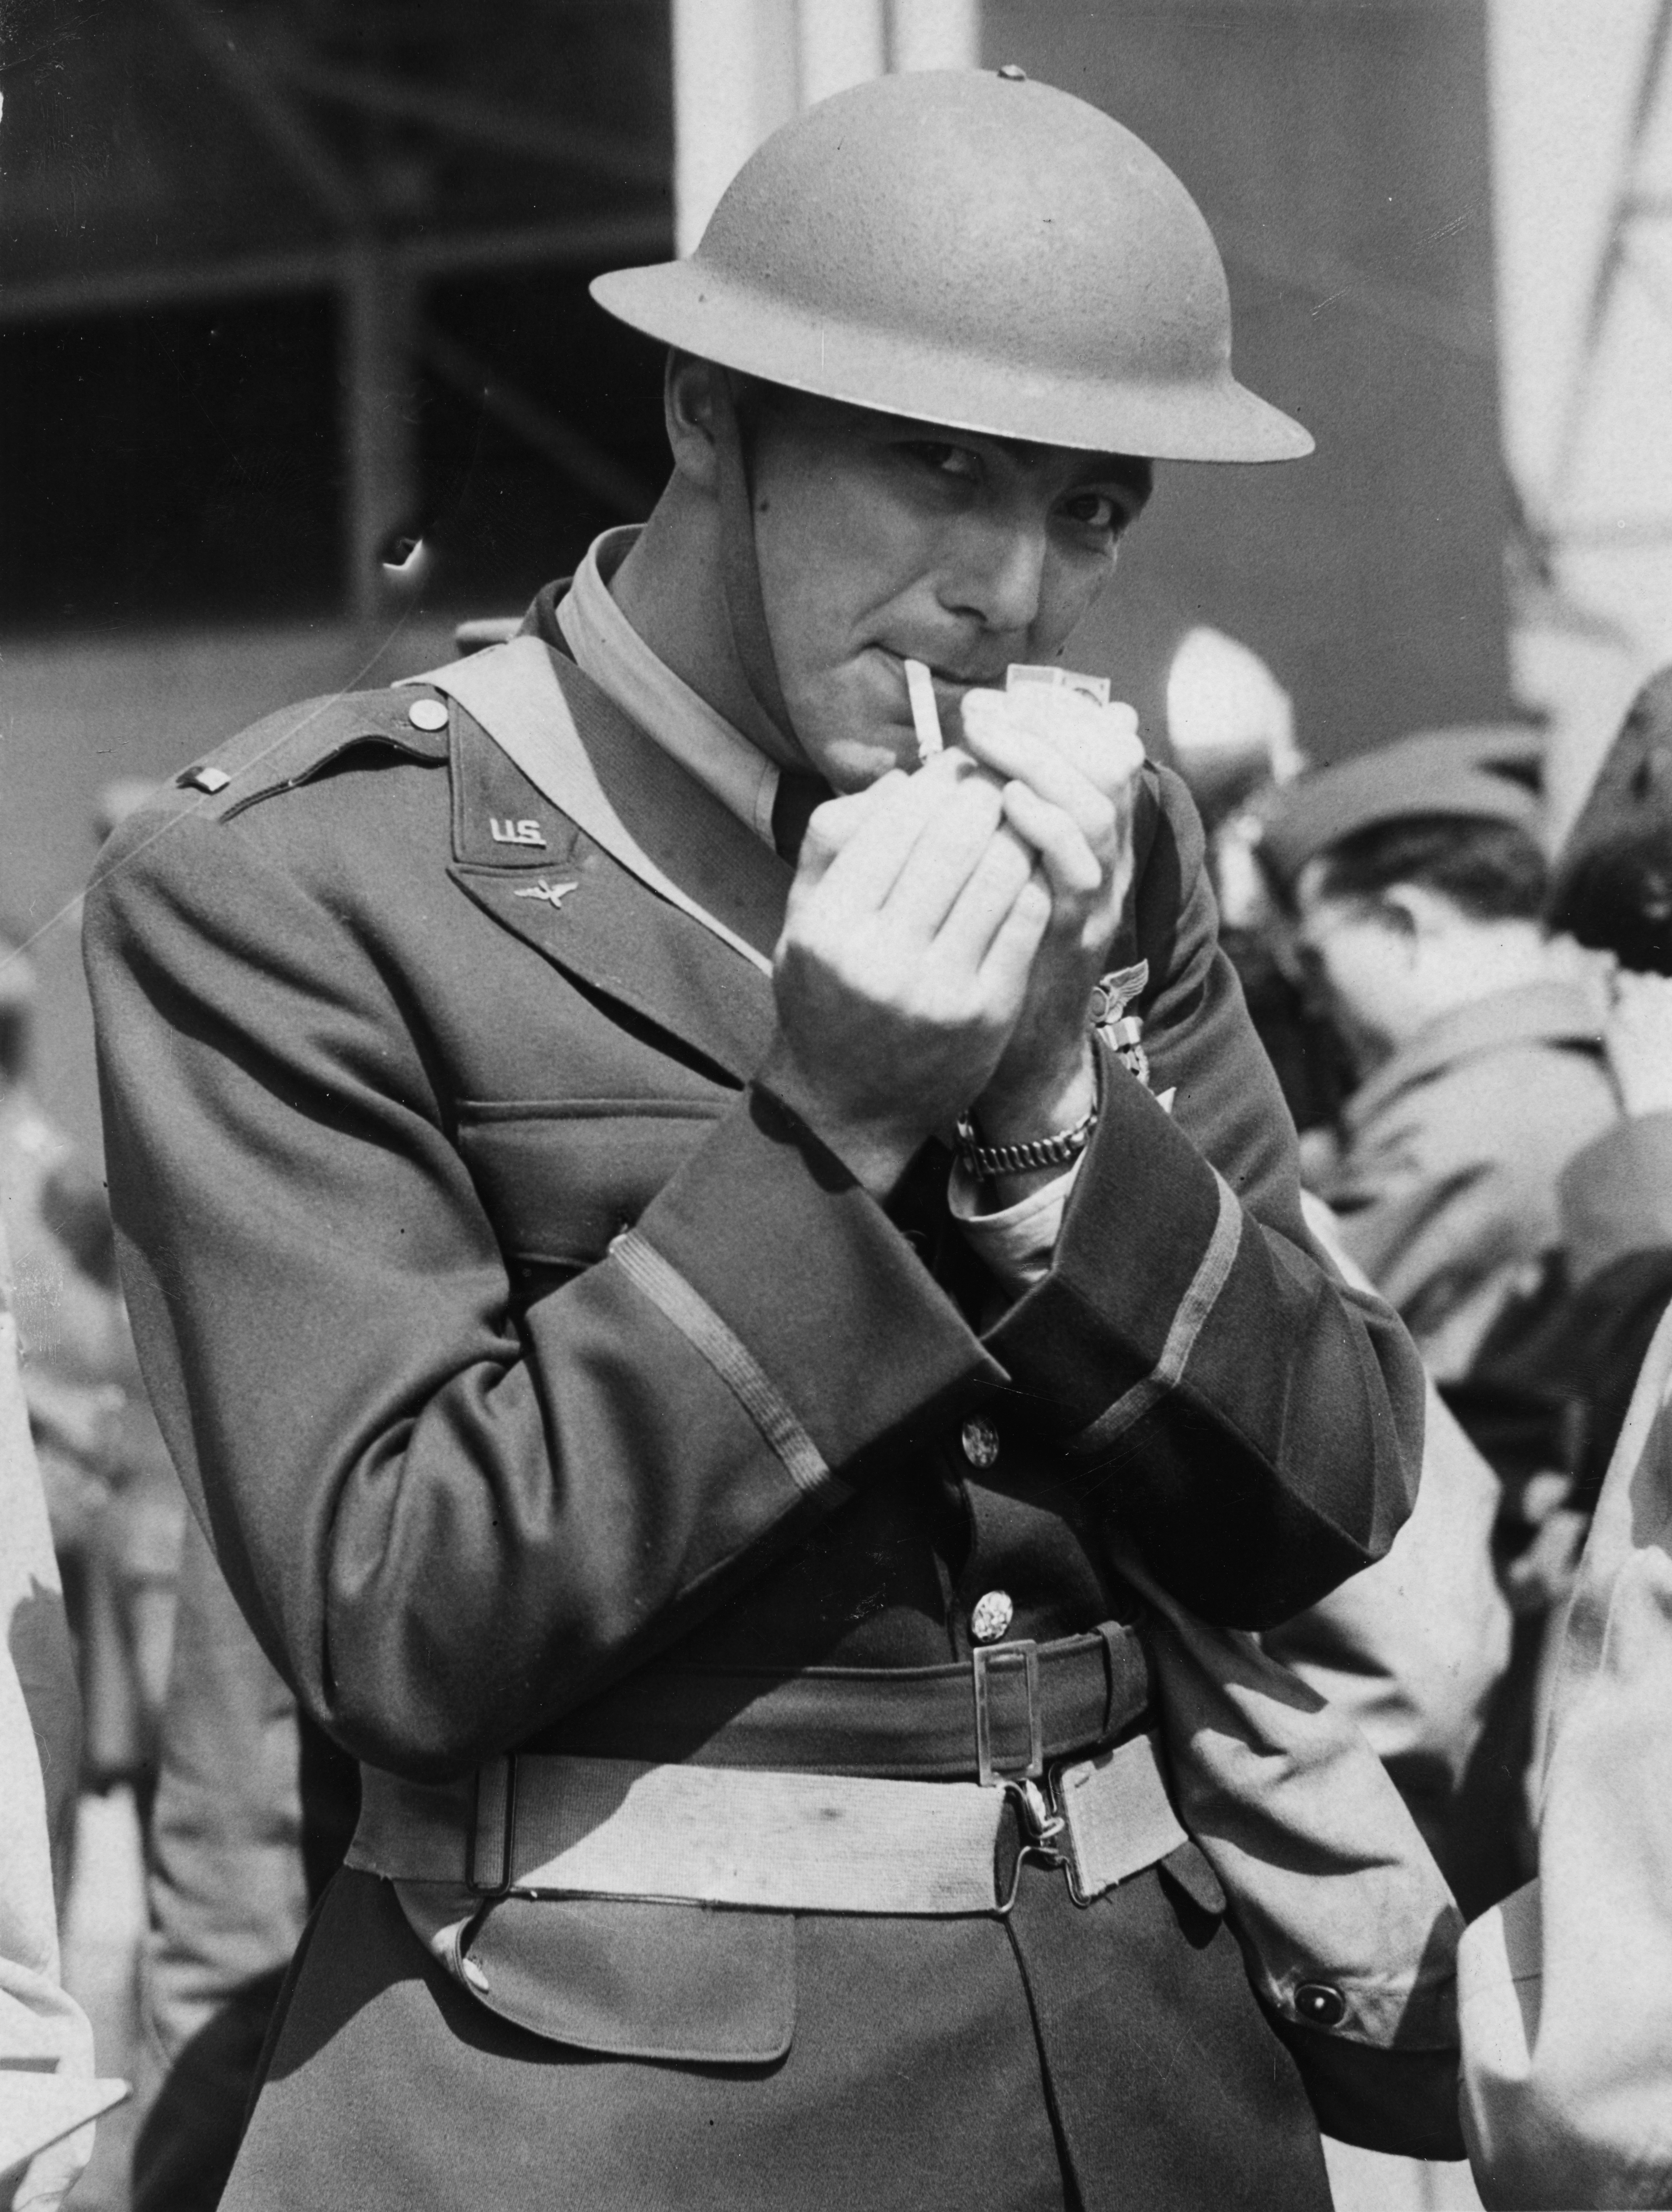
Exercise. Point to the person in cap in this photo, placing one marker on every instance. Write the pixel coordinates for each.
(667, 1262)
(1417, 885)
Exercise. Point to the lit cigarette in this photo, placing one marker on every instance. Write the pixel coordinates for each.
(924, 719)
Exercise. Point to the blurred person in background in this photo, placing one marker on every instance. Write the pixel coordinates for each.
(115, 1507)
(1563, 1989)
(1230, 728)
(1549, 1392)
(1417, 886)
(255, 1809)
(1416, 1647)
(43, 2035)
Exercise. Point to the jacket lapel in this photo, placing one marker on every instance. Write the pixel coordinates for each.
(699, 843)
(522, 861)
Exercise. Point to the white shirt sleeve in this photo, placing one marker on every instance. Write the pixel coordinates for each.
(1016, 1244)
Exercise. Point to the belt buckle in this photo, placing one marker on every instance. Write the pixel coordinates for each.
(1020, 1656)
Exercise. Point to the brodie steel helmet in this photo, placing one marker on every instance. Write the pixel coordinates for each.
(975, 251)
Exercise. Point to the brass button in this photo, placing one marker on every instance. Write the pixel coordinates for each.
(980, 1440)
(1320, 2004)
(991, 1616)
(428, 713)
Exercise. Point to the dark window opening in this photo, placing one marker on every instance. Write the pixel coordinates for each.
(178, 465)
(506, 510)
(189, 465)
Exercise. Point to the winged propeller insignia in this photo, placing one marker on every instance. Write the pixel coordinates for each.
(553, 894)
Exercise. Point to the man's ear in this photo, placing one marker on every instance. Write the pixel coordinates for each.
(688, 411)
(1414, 911)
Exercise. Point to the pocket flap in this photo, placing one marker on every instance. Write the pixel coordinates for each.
(636, 1979)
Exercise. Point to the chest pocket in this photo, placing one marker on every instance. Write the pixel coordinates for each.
(559, 1179)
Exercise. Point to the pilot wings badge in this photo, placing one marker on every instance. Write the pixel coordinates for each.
(553, 894)
(1124, 1032)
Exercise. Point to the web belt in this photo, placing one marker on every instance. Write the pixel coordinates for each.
(566, 1823)
(1006, 1710)
(545, 1826)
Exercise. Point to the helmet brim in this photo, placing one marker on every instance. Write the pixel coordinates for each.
(704, 311)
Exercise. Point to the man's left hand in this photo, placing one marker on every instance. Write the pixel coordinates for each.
(1068, 769)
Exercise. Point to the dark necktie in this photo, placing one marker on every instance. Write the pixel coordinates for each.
(797, 796)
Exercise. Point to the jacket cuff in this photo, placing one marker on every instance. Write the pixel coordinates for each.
(1016, 1244)
(1145, 1247)
(800, 1294)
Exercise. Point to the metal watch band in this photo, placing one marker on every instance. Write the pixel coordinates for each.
(1060, 1150)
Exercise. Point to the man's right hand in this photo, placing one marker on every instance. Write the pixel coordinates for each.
(912, 926)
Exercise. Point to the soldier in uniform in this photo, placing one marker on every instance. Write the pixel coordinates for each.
(1417, 883)
(665, 1298)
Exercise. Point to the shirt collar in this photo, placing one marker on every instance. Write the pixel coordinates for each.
(608, 648)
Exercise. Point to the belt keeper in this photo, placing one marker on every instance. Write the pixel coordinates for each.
(1124, 1648)
(1021, 1656)
(508, 1831)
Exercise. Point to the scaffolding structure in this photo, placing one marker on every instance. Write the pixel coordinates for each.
(180, 152)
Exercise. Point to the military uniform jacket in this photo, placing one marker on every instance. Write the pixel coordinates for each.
(509, 1337)
(1446, 1182)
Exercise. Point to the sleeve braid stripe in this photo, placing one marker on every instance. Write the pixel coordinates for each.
(1198, 1302)
(660, 1281)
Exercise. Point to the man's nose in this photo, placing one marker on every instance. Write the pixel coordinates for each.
(997, 571)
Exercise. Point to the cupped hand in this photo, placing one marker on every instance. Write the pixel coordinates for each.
(1068, 771)
(911, 930)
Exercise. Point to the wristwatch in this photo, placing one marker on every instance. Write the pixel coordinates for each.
(1060, 1150)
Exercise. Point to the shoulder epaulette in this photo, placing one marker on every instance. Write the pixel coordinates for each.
(290, 747)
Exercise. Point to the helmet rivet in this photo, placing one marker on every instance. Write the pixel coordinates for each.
(1012, 75)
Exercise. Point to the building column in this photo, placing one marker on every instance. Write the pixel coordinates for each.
(379, 420)
(742, 67)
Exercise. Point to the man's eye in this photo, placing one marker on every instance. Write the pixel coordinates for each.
(1094, 510)
(945, 459)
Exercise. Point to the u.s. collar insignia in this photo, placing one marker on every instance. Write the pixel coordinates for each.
(553, 894)
(1113, 995)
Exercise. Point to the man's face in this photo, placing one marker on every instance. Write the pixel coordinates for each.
(880, 539)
